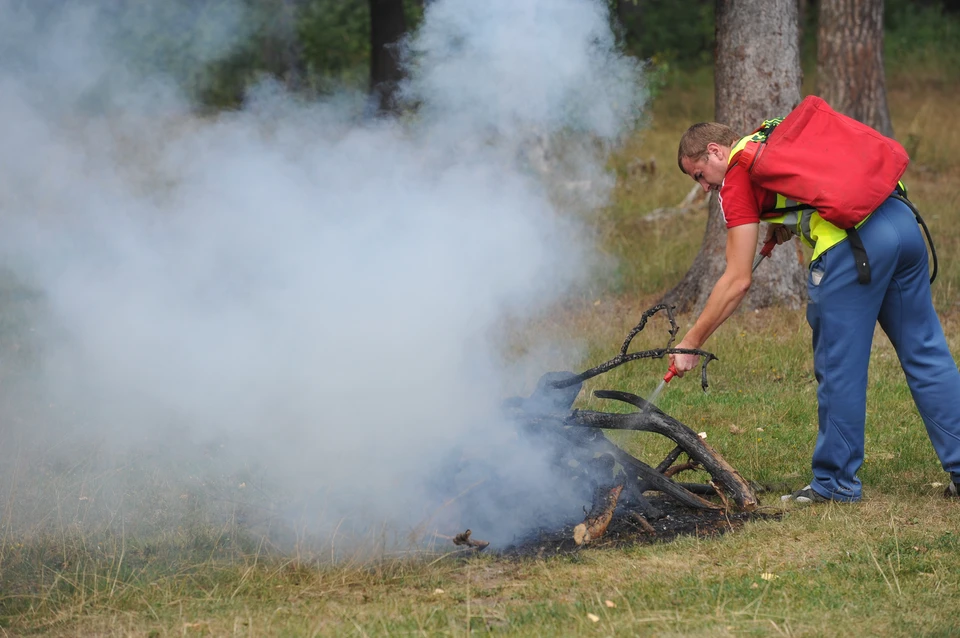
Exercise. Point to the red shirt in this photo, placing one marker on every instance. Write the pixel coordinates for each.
(741, 201)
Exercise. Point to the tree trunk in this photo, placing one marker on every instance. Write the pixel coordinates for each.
(757, 75)
(850, 61)
(387, 27)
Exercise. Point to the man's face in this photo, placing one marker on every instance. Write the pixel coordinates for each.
(708, 171)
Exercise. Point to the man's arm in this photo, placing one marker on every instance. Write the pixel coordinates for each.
(727, 293)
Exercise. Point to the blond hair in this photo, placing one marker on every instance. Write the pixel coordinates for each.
(693, 144)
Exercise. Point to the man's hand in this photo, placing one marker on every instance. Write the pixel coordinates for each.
(683, 363)
(779, 232)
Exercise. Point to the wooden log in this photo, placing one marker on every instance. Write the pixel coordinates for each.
(598, 518)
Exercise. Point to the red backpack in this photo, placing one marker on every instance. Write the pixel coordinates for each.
(841, 167)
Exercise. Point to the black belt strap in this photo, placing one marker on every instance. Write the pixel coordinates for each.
(859, 256)
(860, 253)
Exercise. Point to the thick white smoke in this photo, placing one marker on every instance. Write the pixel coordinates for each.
(312, 294)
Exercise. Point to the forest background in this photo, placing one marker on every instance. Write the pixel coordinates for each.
(318, 46)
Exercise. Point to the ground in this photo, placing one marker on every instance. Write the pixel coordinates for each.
(625, 531)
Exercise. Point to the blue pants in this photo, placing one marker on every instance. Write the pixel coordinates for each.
(843, 314)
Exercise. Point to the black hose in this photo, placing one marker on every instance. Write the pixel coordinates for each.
(926, 231)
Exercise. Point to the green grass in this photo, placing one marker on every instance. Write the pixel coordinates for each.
(205, 565)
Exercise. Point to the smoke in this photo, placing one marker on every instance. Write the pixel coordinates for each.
(292, 291)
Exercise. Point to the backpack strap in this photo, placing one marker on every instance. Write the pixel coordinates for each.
(749, 154)
(758, 139)
(901, 194)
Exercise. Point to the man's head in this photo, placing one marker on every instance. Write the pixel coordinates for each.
(704, 151)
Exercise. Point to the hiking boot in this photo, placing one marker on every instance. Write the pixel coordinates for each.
(953, 490)
(804, 496)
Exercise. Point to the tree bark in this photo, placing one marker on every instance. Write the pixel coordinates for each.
(387, 27)
(850, 75)
(757, 75)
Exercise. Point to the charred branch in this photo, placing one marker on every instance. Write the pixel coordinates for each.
(683, 467)
(649, 420)
(652, 419)
(569, 379)
(634, 499)
(598, 518)
(621, 359)
(670, 459)
(590, 442)
(674, 328)
(650, 477)
(703, 489)
(643, 523)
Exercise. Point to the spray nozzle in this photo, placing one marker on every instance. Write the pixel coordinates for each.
(671, 373)
(765, 252)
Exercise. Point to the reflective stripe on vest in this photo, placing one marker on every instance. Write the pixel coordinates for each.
(806, 223)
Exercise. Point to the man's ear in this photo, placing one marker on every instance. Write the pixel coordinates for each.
(714, 149)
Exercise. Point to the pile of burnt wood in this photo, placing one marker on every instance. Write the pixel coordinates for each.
(584, 453)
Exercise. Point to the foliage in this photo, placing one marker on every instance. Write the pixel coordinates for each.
(335, 35)
(680, 32)
(922, 36)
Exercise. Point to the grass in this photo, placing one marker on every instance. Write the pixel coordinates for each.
(202, 563)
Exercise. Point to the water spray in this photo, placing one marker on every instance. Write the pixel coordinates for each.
(671, 373)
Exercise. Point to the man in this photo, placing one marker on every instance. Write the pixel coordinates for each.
(841, 311)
